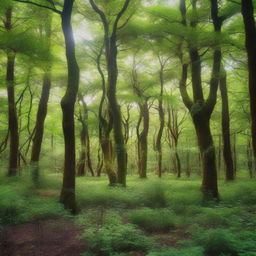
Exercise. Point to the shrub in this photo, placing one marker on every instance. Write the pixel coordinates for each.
(217, 217)
(154, 196)
(192, 251)
(217, 242)
(111, 237)
(152, 219)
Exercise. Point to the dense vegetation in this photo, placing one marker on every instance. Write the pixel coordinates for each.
(134, 119)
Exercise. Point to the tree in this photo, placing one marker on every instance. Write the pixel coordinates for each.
(143, 120)
(12, 112)
(225, 124)
(247, 10)
(111, 51)
(67, 196)
(42, 108)
(201, 109)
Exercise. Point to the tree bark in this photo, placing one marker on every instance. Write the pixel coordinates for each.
(161, 127)
(110, 43)
(105, 128)
(249, 158)
(67, 196)
(250, 43)
(12, 112)
(12, 116)
(143, 140)
(201, 109)
(42, 108)
(40, 118)
(225, 123)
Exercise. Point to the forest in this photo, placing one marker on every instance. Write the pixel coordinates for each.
(127, 128)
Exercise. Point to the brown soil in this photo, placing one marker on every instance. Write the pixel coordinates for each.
(45, 238)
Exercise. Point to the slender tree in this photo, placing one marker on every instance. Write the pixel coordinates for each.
(199, 108)
(111, 51)
(247, 10)
(225, 123)
(12, 112)
(67, 196)
(143, 121)
(38, 132)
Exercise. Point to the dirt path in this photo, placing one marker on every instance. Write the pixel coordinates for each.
(45, 238)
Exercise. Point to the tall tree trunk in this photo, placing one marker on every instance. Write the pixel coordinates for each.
(143, 141)
(67, 196)
(201, 109)
(250, 43)
(110, 41)
(105, 128)
(161, 127)
(82, 160)
(225, 123)
(37, 138)
(39, 127)
(12, 116)
(207, 150)
(249, 158)
(120, 148)
(12, 113)
(234, 153)
(178, 162)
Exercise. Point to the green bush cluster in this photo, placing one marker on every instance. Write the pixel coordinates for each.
(110, 236)
(153, 219)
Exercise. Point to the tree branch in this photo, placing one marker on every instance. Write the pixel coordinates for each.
(39, 5)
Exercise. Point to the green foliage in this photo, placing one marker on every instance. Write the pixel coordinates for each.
(153, 219)
(111, 236)
(155, 196)
(246, 243)
(18, 204)
(217, 217)
(217, 242)
(191, 251)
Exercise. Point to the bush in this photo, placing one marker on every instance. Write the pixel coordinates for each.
(154, 196)
(111, 237)
(217, 217)
(193, 251)
(246, 243)
(153, 220)
(217, 242)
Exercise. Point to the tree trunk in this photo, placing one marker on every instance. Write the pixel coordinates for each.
(100, 163)
(67, 196)
(143, 141)
(115, 112)
(178, 163)
(249, 158)
(207, 151)
(250, 43)
(39, 127)
(225, 123)
(201, 109)
(161, 127)
(12, 116)
(234, 153)
(12, 112)
(37, 138)
(82, 160)
(105, 128)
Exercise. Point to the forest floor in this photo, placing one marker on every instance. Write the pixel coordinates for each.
(148, 218)
(56, 237)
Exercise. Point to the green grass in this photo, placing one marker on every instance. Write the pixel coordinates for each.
(120, 216)
(153, 219)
